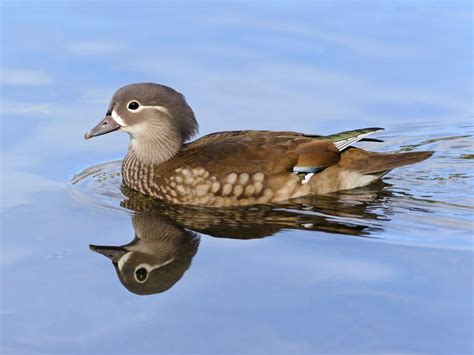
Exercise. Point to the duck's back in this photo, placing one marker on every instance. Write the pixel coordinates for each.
(268, 152)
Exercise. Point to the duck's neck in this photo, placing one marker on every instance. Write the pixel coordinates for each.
(156, 146)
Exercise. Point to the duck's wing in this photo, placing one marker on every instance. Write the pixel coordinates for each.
(266, 151)
(344, 140)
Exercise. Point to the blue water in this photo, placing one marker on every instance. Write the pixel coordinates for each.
(386, 268)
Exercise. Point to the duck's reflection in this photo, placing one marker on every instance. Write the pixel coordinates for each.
(166, 240)
(157, 257)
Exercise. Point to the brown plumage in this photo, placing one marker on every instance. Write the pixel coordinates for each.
(358, 164)
(233, 168)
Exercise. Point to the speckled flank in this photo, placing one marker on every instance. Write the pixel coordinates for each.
(199, 186)
(196, 185)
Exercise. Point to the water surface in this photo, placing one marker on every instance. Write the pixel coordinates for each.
(385, 268)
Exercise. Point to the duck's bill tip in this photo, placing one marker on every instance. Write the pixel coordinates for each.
(107, 125)
(114, 253)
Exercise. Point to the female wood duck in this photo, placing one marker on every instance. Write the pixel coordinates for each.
(232, 168)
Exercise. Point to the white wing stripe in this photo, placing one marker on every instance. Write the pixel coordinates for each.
(341, 145)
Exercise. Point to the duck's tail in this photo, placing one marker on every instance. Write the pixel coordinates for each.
(359, 168)
(370, 162)
(384, 162)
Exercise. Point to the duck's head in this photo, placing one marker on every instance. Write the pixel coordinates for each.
(156, 259)
(157, 118)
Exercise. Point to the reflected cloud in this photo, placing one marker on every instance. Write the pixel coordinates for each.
(359, 45)
(21, 183)
(24, 77)
(98, 96)
(25, 108)
(14, 255)
(93, 48)
(166, 236)
(349, 270)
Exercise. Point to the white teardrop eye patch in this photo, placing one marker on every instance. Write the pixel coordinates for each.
(133, 105)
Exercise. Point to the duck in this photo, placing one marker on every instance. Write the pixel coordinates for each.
(233, 168)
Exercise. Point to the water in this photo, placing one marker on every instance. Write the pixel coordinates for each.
(385, 268)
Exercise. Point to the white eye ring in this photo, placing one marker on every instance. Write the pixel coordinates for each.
(136, 276)
(133, 105)
(149, 268)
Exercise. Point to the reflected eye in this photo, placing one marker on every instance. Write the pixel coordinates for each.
(141, 274)
(133, 105)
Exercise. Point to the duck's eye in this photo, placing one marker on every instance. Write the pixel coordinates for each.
(141, 274)
(133, 105)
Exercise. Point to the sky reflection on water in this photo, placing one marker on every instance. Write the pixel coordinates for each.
(316, 67)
